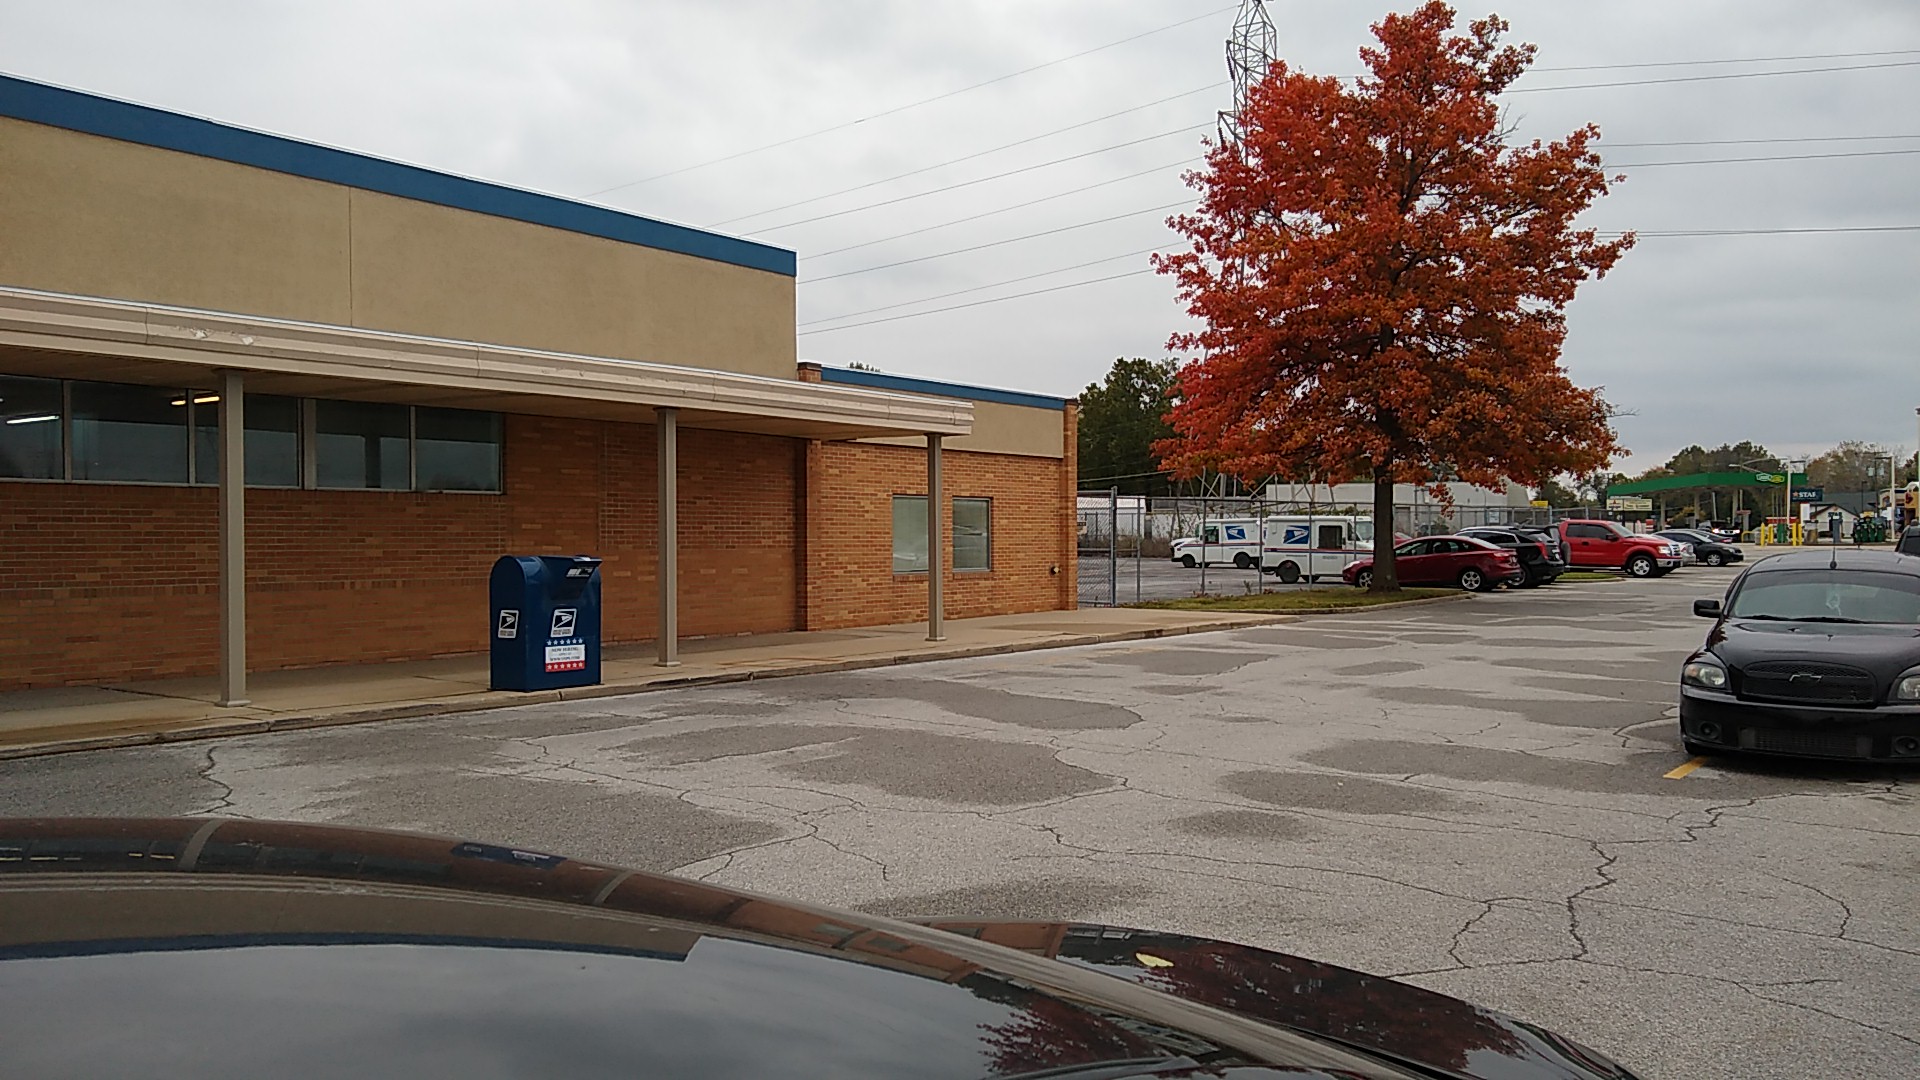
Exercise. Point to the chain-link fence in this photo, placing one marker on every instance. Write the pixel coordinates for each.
(1126, 541)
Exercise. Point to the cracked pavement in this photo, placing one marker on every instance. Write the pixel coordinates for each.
(1468, 796)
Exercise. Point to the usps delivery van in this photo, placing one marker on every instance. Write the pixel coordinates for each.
(1314, 547)
(1230, 541)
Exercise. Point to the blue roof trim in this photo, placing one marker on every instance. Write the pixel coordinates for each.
(91, 114)
(881, 381)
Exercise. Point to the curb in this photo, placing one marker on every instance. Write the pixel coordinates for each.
(1357, 609)
(220, 729)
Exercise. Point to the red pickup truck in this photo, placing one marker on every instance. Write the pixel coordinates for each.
(1606, 545)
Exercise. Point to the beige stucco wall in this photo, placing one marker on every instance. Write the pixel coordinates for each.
(1004, 429)
(99, 217)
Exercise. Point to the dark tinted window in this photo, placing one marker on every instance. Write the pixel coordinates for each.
(1588, 532)
(273, 440)
(1416, 547)
(458, 450)
(1846, 595)
(361, 445)
(691, 1006)
(30, 414)
(129, 433)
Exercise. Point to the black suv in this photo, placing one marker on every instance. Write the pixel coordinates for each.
(1538, 550)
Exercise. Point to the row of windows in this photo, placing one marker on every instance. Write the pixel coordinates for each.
(972, 534)
(52, 429)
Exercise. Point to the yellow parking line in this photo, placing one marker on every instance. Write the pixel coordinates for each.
(1683, 770)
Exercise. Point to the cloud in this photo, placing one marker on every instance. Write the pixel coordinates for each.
(1789, 340)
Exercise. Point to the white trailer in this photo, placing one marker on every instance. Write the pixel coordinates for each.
(1312, 546)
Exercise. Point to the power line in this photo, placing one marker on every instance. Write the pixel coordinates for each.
(1771, 157)
(982, 179)
(1000, 243)
(1779, 232)
(978, 303)
(1149, 210)
(1738, 60)
(1005, 209)
(1149, 270)
(1199, 127)
(912, 105)
(1712, 78)
(969, 157)
(990, 285)
(1782, 139)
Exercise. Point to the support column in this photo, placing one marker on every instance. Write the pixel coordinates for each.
(233, 541)
(936, 545)
(668, 423)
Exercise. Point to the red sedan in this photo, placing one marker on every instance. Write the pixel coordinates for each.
(1474, 565)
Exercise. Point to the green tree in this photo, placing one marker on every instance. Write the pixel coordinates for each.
(1851, 467)
(1556, 494)
(1120, 419)
(1703, 503)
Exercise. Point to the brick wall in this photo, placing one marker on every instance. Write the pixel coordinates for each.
(107, 583)
(850, 535)
(103, 583)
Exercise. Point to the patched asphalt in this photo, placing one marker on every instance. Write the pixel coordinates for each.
(1471, 796)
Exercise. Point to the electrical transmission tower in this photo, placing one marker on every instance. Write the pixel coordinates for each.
(1249, 53)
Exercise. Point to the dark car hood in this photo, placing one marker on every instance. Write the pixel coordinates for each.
(1387, 1017)
(1884, 649)
(523, 948)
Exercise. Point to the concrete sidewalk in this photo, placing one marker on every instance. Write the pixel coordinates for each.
(48, 721)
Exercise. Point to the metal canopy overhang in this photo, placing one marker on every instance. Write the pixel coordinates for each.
(64, 336)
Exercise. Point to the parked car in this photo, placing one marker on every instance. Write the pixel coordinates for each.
(1724, 531)
(1707, 548)
(1540, 561)
(1474, 565)
(1607, 545)
(1814, 653)
(208, 948)
(1909, 541)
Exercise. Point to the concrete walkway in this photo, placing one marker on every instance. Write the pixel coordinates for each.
(47, 721)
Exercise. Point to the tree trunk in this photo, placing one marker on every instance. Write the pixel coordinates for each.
(1386, 578)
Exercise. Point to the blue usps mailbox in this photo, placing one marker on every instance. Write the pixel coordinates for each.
(546, 621)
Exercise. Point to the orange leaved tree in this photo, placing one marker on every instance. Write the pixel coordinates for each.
(1383, 280)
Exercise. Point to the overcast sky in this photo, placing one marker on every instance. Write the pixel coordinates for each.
(1795, 341)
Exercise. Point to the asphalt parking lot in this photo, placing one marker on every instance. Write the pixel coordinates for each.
(1473, 796)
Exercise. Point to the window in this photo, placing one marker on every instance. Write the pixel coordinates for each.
(909, 534)
(272, 438)
(30, 428)
(1211, 535)
(1416, 547)
(1331, 538)
(972, 534)
(456, 450)
(1587, 532)
(1845, 596)
(129, 433)
(361, 445)
(52, 429)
